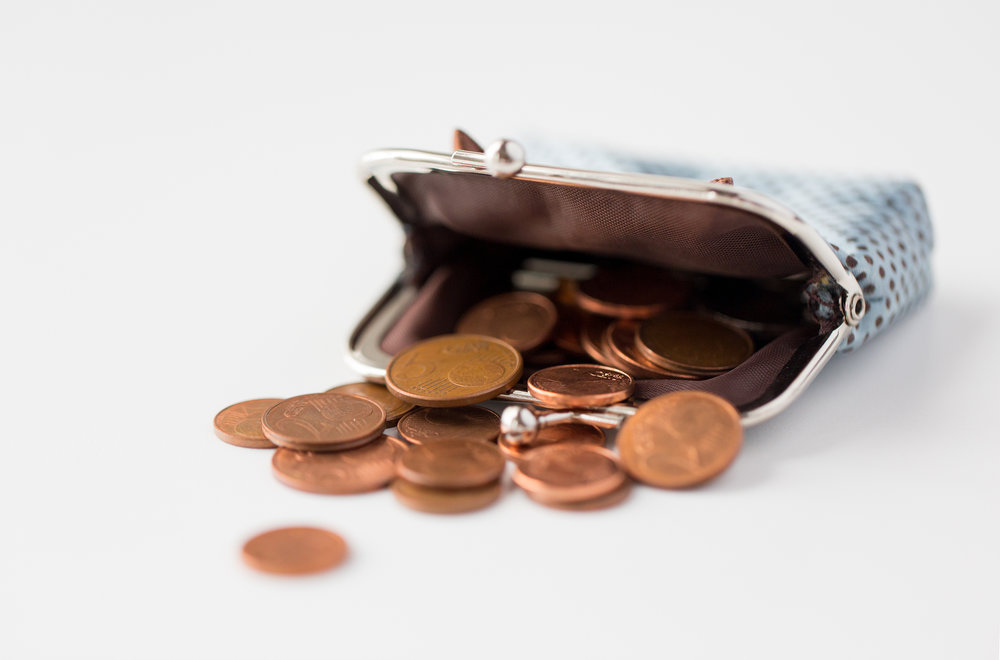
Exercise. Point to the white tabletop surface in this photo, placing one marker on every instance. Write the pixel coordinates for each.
(183, 228)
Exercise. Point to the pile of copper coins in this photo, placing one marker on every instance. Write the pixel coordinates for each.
(451, 455)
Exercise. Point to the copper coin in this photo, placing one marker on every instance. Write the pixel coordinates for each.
(445, 500)
(453, 370)
(592, 338)
(620, 342)
(523, 319)
(631, 293)
(324, 422)
(569, 472)
(580, 386)
(694, 343)
(550, 435)
(240, 424)
(394, 408)
(360, 470)
(462, 423)
(451, 464)
(295, 551)
(680, 439)
(614, 498)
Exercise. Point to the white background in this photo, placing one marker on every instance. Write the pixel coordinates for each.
(183, 228)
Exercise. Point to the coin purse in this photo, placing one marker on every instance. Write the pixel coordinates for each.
(858, 248)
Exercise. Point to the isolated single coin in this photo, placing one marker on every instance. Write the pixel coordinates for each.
(550, 435)
(451, 464)
(329, 421)
(445, 500)
(453, 370)
(580, 386)
(569, 472)
(523, 319)
(680, 439)
(462, 423)
(366, 468)
(692, 342)
(295, 551)
(394, 408)
(241, 424)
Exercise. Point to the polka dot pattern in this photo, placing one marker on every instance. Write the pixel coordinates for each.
(879, 228)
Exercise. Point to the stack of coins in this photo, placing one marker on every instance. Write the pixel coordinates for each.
(450, 455)
(449, 476)
(643, 321)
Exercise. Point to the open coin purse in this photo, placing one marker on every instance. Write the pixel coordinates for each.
(856, 250)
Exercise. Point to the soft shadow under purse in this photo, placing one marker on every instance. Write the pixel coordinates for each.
(859, 247)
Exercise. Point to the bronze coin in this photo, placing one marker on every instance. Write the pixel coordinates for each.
(295, 551)
(394, 408)
(451, 464)
(580, 386)
(614, 498)
(240, 424)
(445, 500)
(324, 422)
(631, 293)
(680, 439)
(462, 423)
(620, 342)
(453, 370)
(550, 435)
(694, 343)
(367, 468)
(523, 319)
(569, 472)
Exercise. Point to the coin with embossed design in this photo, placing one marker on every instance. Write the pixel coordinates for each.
(359, 470)
(580, 386)
(569, 472)
(240, 424)
(329, 421)
(680, 439)
(523, 319)
(694, 343)
(451, 464)
(394, 408)
(295, 551)
(445, 500)
(453, 370)
(461, 423)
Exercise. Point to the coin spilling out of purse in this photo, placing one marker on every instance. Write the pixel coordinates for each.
(582, 350)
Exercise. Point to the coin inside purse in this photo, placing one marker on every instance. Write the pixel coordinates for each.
(470, 234)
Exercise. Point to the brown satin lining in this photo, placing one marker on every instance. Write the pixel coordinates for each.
(706, 238)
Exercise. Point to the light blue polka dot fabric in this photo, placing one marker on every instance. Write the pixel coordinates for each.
(879, 227)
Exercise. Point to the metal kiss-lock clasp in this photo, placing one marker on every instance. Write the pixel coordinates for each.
(520, 425)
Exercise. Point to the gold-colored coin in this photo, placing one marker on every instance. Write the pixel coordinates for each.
(445, 500)
(394, 408)
(680, 439)
(453, 370)
(693, 343)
